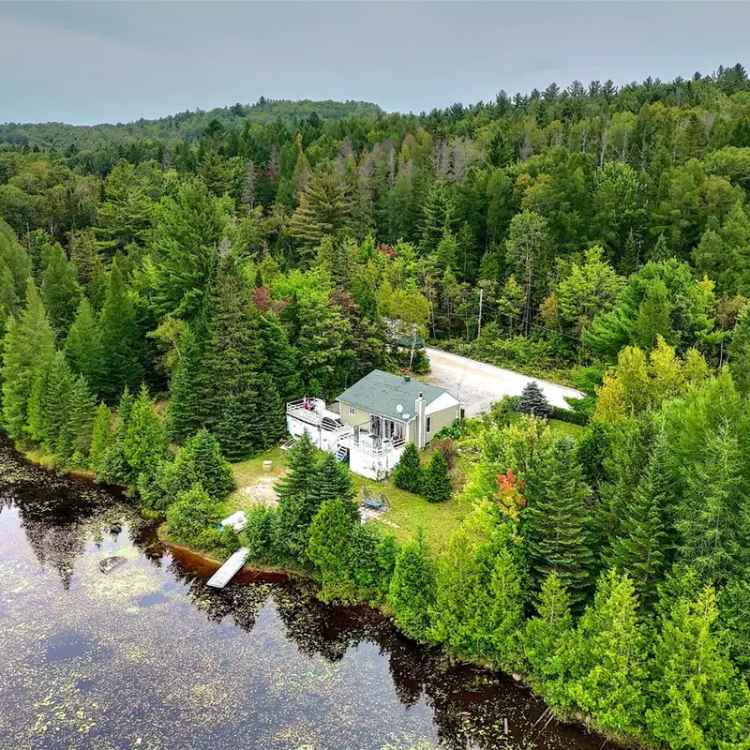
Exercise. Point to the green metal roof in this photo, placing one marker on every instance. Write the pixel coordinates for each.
(380, 393)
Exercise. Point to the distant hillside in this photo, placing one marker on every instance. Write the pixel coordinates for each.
(185, 125)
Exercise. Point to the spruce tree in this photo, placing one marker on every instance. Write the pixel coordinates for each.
(411, 594)
(121, 364)
(60, 290)
(437, 481)
(533, 401)
(556, 520)
(202, 453)
(83, 345)
(298, 501)
(187, 411)
(79, 426)
(642, 548)
(280, 357)
(114, 466)
(334, 481)
(408, 473)
(28, 349)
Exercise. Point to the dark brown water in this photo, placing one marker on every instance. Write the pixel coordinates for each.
(145, 656)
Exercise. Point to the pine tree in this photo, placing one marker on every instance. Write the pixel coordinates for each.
(121, 364)
(412, 591)
(297, 499)
(533, 401)
(75, 442)
(28, 348)
(438, 217)
(697, 701)
(608, 680)
(408, 472)
(555, 523)
(114, 465)
(83, 345)
(145, 442)
(60, 290)
(84, 255)
(280, 357)
(101, 437)
(437, 481)
(654, 316)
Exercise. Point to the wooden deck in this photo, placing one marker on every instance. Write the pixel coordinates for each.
(229, 569)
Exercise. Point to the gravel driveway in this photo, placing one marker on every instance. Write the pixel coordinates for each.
(476, 385)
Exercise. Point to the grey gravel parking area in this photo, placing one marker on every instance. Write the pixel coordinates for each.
(477, 385)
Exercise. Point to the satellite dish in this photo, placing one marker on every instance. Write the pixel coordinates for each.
(399, 408)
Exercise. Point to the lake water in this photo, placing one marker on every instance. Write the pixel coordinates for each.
(145, 656)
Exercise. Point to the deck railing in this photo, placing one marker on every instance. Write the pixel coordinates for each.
(308, 410)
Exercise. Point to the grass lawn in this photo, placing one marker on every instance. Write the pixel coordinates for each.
(407, 512)
(565, 428)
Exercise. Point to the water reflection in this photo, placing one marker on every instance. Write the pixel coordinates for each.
(147, 656)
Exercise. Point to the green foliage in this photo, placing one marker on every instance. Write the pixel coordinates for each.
(697, 700)
(408, 473)
(258, 534)
(83, 345)
(412, 589)
(145, 442)
(60, 290)
(192, 512)
(101, 438)
(28, 349)
(533, 401)
(555, 525)
(436, 482)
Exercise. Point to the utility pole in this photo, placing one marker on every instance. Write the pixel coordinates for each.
(479, 322)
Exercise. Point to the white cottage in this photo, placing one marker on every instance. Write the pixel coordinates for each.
(371, 421)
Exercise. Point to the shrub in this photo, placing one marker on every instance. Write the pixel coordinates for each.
(192, 513)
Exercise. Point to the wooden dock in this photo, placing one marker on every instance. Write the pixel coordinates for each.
(229, 569)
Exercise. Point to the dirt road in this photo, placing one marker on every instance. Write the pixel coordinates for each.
(476, 385)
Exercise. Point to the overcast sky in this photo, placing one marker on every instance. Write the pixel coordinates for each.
(107, 62)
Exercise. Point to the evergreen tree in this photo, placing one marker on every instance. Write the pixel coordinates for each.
(297, 499)
(202, 454)
(546, 637)
(712, 518)
(188, 410)
(437, 481)
(101, 437)
(191, 514)
(334, 481)
(438, 218)
(642, 549)
(83, 345)
(408, 473)
(28, 349)
(330, 550)
(114, 466)
(697, 701)
(145, 442)
(654, 317)
(739, 352)
(609, 657)
(74, 445)
(121, 364)
(412, 590)
(84, 255)
(555, 522)
(280, 357)
(533, 401)
(60, 290)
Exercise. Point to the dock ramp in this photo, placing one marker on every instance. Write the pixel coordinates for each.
(229, 569)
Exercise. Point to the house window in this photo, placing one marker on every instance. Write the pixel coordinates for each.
(352, 411)
(428, 424)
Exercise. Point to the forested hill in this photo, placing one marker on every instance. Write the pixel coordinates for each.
(185, 125)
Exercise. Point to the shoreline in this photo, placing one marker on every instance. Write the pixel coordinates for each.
(205, 565)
